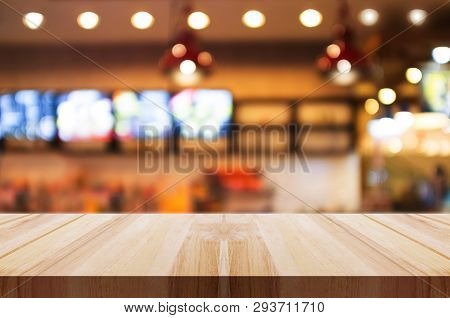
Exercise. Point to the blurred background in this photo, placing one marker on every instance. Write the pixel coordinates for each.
(79, 80)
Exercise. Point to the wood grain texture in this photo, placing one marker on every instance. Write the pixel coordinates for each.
(348, 255)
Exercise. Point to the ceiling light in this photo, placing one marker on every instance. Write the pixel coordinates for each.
(441, 54)
(417, 16)
(387, 96)
(368, 17)
(333, 50)
(253, 19)
(413, 75)
(33, 20)
(371, 106)
(142, 20)
(310, 18)
(198, 20)
(187, 67)
(88, 20)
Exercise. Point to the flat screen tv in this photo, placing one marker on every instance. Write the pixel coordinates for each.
(202, 113)
(84, 115)
(141, 114)
(28, 115)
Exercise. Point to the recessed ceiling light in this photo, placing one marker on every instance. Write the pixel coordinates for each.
(417, 16)
(310, 18)
(368, 17)
(33, 20)
(413, 75)
(198, 20)
(387, 96)
(88, 20)
(253, 19)
(142, 20)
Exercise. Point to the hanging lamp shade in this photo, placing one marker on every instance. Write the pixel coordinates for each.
(342, 61)
(184, 62)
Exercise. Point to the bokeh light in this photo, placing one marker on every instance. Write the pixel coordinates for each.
(387, 96)
(371, 106)
(413, 75)
(142, 20)
(88, 20)
(253, 19)
(33, 20)
(368, 17)
(310, 18)
(198, 20)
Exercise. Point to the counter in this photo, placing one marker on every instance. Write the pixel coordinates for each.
(224, 255)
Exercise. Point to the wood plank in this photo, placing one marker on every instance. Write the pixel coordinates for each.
(442, 218)
(37, 256)
(8, 217)
(231, 245)
(424, 231)
(413, 257)
(309, 244)
(139, 245)
(31, 227)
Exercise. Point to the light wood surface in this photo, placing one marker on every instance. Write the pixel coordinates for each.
(264, 254)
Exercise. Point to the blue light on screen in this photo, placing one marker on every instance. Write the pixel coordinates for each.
(27, 115)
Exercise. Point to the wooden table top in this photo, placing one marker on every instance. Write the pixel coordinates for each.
(224, 245)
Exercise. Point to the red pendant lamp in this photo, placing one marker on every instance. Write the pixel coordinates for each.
(342, 61)
(183, 61)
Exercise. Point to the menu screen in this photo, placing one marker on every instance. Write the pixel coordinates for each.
(28, 115)
(84, 115)
(202, 113)
(141, 114)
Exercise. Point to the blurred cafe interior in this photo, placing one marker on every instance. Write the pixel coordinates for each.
(367, 84)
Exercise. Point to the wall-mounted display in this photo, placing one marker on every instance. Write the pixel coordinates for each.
(202, 113)
(28, 115)
(84, 115)
(141, 114)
